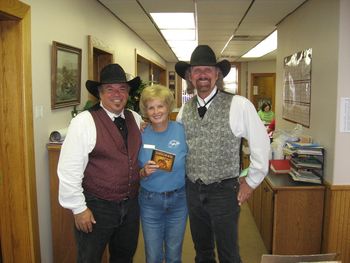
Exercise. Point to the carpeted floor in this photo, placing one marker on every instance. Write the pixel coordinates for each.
(251, 244)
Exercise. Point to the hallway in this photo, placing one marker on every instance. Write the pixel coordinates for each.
(251, 244)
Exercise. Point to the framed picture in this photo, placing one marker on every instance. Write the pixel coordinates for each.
(65, 75)
(171, 80)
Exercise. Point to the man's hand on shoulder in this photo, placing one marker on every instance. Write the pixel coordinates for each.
(143, 125)
(245, 191)
(84, 221)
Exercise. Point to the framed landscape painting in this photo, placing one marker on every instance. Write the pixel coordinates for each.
(65, 75)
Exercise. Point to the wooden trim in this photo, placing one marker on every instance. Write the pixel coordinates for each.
(250, 93)
(94, 42)
(13, 10)
(149, 60)
(336, 230)
(97, 48)
(18, 199)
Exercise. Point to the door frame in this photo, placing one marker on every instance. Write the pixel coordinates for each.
(19, 230)
(252, 76)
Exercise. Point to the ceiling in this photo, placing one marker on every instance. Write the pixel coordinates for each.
(250, 21)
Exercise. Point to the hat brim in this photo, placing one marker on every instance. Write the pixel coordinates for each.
(92, 86)
(182, 66)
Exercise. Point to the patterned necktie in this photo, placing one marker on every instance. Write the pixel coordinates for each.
(121, 125)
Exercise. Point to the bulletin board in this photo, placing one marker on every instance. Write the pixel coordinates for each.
(297, 87)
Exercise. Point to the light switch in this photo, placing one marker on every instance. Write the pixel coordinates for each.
(39, 111)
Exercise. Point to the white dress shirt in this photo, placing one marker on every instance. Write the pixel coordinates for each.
(74, 157)
(245, 122)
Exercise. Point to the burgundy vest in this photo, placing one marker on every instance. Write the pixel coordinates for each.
(112, 172)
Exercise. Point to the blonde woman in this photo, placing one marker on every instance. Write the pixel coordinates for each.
(162, 195)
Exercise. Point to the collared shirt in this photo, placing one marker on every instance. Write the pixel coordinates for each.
(202, 102)
(245, 122)
(74, 157)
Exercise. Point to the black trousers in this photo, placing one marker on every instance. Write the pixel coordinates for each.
(214, 213)
(117, 224)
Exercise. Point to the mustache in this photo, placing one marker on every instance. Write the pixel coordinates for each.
(201, 79)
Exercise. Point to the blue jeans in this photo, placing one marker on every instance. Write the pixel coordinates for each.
(213, 213)
(117, 224)
(163, 218)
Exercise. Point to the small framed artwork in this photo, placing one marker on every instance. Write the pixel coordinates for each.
(171, 75)
(172, 80)
(65, 75)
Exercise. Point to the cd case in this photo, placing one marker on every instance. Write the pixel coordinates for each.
(165, 160)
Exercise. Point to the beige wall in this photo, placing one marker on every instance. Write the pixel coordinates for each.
(315, 25)
(342, 140)
(248, 68)
(69, 22)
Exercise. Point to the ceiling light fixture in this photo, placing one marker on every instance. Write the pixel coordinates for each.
(179, 30)
(266, 46)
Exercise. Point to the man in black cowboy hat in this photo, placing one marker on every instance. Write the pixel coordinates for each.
(215, 122)
(98, 171)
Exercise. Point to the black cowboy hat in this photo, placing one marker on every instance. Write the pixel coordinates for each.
(111, 74)
(203, 55)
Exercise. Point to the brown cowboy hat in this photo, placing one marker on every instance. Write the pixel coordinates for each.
(111, 74)
(203, 55)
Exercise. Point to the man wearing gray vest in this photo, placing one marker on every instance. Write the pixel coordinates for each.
(99, 173)
(215, 121)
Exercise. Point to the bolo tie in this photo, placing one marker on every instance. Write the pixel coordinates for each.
(203, 109)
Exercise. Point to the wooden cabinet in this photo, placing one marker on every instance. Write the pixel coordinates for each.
(62, 220)
(266, 217)
(64, 249)
(289, 215)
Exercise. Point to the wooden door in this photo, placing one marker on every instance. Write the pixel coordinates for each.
(263, 87)
(19, 232)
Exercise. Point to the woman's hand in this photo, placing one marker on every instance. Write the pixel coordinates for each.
(149, 168)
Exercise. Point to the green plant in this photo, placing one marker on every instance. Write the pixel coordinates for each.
(87, 106)
(134, 97)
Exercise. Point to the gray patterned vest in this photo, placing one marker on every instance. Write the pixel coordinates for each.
(213, 149)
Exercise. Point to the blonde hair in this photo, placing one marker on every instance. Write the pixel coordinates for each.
(156, 92)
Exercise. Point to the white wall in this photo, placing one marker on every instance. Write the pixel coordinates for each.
(314, 25)
(69, 22)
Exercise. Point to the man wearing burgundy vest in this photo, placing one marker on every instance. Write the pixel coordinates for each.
(98, 171)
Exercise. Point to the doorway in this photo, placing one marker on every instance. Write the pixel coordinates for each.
(99, 56)
(149, 71)
(263, 89)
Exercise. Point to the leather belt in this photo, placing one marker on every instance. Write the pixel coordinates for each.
(200, 182)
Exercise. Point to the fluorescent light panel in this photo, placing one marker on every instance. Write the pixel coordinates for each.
(179, 34)
(266, 46)
(179, 31)
(174, 20)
